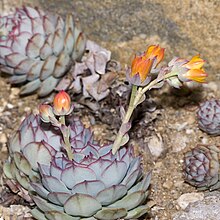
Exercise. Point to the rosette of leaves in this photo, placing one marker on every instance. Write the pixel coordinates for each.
(94, 185)
(201, 167)
(209, 117)
(38, 48)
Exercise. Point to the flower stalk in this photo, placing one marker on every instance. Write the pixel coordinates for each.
(178, 71)
(56, 114)
(66, 137)
(137, 96)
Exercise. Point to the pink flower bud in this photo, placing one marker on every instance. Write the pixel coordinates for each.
(46, 112)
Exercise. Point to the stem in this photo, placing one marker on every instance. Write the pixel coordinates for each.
(62, 120)
(131, 105)
(117, 142)
(66, 137)
(134, 100)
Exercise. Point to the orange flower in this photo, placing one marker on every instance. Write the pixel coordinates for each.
(195, 71)
(195, 63)
(197, 75)
(143, 64)
(62, 104)
(153, 52)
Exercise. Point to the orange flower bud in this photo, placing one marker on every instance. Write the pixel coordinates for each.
(62, 104)
(189, 70)
(46, 112)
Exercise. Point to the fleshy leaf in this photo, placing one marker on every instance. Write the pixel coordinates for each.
(46, 206)
(73, 175)
(56, 215)
(91, 188)
(40, 190)
(111, 213)
(137, 212)
(111, 194)
(35, 153)
(117, 170)
(38, 214)
(52, 184)
(82, 205)
(22, 163)
(130, 201)
(59, 198)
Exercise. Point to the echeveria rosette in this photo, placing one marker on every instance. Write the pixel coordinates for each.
(201, 167)
(96, 184)
(33, 142)
(38, 48)
(208, 117)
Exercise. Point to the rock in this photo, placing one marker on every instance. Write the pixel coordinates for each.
(3, 138)
(208, 208)
(156, 145)
(14, 93)
(168, 184)
(179, 184)
(179, 141)
(185, 199)
(10, 106)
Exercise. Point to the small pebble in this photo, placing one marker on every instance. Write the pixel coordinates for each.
(14, 93)
(168, 184)
(4, 148)
(179, 184)
(156, 145)
(185, 199)
(3, 138)
(179, 142)
(10, 106)
(27, 109)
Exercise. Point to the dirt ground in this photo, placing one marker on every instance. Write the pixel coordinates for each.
(184, 28)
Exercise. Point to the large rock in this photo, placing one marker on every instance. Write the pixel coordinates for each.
(207, 209)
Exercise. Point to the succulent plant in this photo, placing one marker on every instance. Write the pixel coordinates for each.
(38, 48)
(209, 117)
(201, 167)
(95, 184)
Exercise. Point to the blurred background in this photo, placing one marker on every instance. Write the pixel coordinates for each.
(183, 27)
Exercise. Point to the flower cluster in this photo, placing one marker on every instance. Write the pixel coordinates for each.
(189, 70)
(144, 75)
(143, 64)
(61, 106)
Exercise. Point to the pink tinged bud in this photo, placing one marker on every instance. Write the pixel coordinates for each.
(62, 104)
(46, 113)
(189, 70)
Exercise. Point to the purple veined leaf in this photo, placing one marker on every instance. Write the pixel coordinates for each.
(114, 173)
(110, 195)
